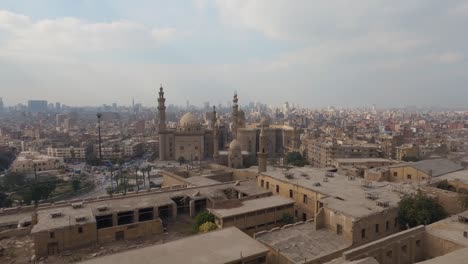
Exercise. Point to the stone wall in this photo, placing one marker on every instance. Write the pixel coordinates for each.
(131, 231)
(403, 247)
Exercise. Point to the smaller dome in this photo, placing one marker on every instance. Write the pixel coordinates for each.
(189, 119)
(235, 145)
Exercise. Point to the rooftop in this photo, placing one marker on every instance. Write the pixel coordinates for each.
(221, 246)
(304, 242)
(461, 176)
(132, 202)
(363, 160)
(451, 229)
(352, 196)
(437, 167)
(253, 205)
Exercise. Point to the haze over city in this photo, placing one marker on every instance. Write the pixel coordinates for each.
(313, 53)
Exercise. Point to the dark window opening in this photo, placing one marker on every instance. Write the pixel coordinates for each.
(339, 229)
(377, 228)
(104, 221)
(304, 198)
(145, 214)
(291, 194)
(164, 212)
(262, 183)
(277, 188)
(80, 229)
(52, 234)
(125, 218)
(387, 225)
(363, 233)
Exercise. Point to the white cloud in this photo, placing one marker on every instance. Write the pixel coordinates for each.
(448, 57)
(165, 34)
(69, 36)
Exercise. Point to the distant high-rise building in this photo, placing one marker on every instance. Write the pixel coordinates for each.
(58, 106)
(37, 105)
(1, 105)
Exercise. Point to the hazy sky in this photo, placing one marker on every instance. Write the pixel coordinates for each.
(315, 53)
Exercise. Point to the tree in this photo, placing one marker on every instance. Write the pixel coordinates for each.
(202, 218)
(207, 227)
(287, 219)
(5, 201)
(296, 159)
(6, 158)
(419, 209)
(13, 180)
(181, 160)
(410, 158)
(76, 184)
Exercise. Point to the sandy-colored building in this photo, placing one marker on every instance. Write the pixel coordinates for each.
(407, 151)
(225, 246)
(67, 153)
(322, 153)
(421, 171)
(254, 215)
(27, 162)
(358, 210)
(442, 242)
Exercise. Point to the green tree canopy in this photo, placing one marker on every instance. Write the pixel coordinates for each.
(76, 184)
(419, 209)
(207, 227)
(296, 159)
(202, 218)
(287, 219)
(13, 180)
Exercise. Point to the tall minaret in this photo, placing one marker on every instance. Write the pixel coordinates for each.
(162, 125)
(235, 116)
(215, 135)
(262, 155)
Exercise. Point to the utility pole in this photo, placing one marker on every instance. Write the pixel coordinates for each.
(99, 115)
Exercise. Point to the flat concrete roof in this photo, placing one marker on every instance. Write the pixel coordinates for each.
(304, 242)
(341, 193)
(363, 160)
(437, 167)
(461, 176)
(131, 202)
(15, 218)
(45, 222)
(253, 206)
(220, 246)
(451, 229)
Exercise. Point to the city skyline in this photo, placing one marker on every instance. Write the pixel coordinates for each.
(312, 53)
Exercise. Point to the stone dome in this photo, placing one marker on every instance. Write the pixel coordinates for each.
(234, 145)
(189, 119)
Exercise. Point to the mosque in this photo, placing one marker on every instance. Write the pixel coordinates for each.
(236, 145)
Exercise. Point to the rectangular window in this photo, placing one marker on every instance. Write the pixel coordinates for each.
(363, 233)
(418, 243)
(377, 228)
(277, 188)
(339, 230)
(395, 174)
(80, 229)
(404, 249)
(408, 176)
(290, 193)
(387, 225)
(304, 198)
(390, 254)
(268, 185)
(52, 234)
(262, 183)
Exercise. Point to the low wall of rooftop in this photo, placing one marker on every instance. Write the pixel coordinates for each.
(447, 199)
(403, 247)
(15, 232)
